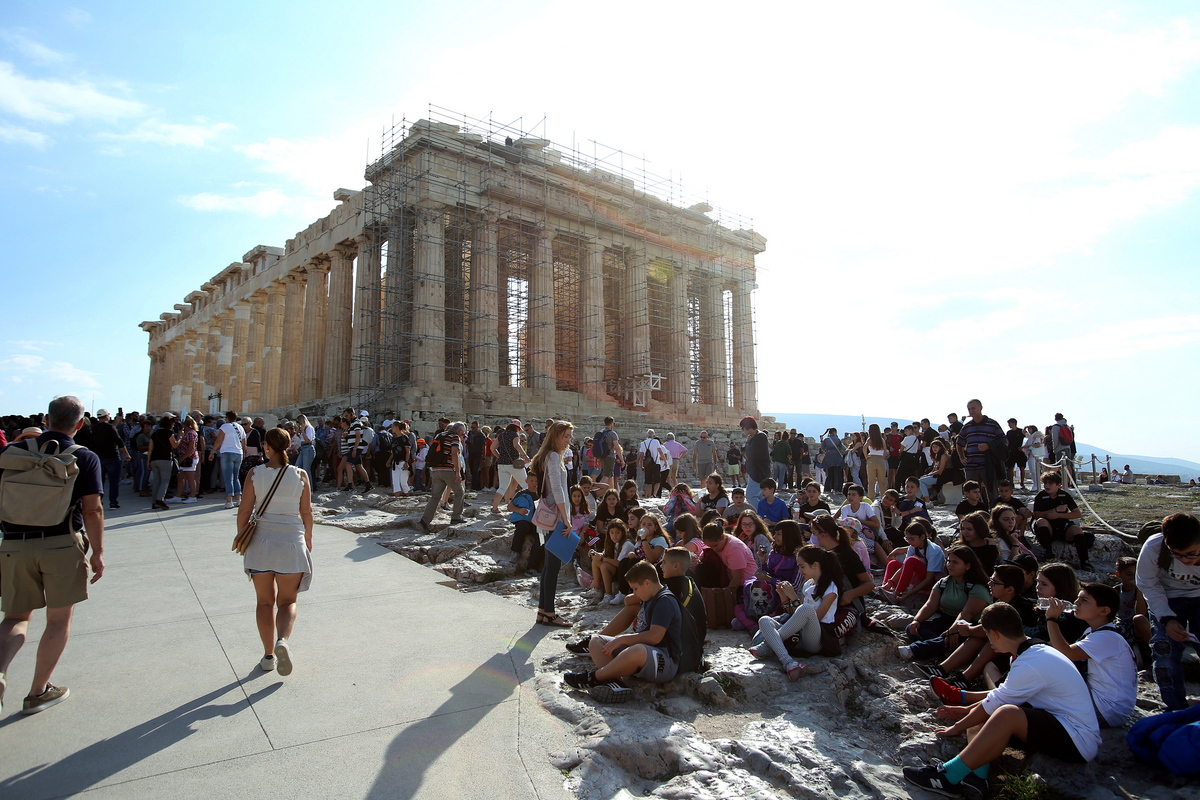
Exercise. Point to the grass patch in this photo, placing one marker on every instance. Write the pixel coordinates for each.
(729, 685)
(1024, 787)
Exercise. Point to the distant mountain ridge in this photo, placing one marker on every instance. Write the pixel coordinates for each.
(816, 424)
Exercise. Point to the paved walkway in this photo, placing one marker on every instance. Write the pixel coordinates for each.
(403, 688)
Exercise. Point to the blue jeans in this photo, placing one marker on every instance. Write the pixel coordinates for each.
(779, 473)
(141, 474)
(753, 493)
(110, 472)
(548, 585)
(1168, 653)
(231, 465)
(927, 483)
(304, 460)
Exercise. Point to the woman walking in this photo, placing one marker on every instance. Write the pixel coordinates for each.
(279, 558)
(189, 452)
(877, 466)
(552, 482)
(308, 447)
(509, 454)
(228, 446)
(162, 443)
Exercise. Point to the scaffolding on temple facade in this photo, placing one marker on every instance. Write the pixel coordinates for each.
(507, 263)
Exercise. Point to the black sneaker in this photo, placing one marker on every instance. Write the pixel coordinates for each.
(580, 647)
(367, 489)
(457, 521)
(114, 504)
(932, 670)
(580, 680)
(933, 779)
(613, 692)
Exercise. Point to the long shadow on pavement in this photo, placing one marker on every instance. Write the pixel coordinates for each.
(95, 763)
(412, 753)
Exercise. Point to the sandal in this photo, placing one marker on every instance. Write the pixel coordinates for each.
(552, 619)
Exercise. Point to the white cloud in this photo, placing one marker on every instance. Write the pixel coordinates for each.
(32, 344)
(11, 134)
(156, 131)
(320, 163)
(266, 203)
(33, 50)
(49, 100)
(23, 368)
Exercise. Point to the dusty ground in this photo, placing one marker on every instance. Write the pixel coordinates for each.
(741, 729)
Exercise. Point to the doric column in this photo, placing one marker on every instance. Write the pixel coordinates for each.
(591, 288)
(365, 348)
(316, 308)
(194, 342)
(225, 355)
(272, 348)
(238, 376)
(636, 316)
(154, 386)
(429, 298)
(181, 373)
(678, 380)
(210, 342)
(338, 325)
(293, 340)
(541, 314)
(483, 354)
(745, 390)
(714, 380)
(252, 400)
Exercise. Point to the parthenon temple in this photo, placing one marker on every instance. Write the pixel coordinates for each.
(481, 271)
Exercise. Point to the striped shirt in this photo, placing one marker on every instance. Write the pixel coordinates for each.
(974, 434)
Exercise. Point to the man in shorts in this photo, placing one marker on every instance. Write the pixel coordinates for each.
(47, 567)
(651, 652)
(1056, 517)
(1044, 706)
(704, 457)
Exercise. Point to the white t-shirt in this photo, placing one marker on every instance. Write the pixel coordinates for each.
(911, 444)
(864, 513)
(1046, 679)
(807, 599)
(1111, 673)
(234, 436)
(309, 435)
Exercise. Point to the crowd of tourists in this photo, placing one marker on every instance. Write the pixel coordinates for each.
(788, 553)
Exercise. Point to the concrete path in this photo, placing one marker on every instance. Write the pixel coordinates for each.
(403, 688)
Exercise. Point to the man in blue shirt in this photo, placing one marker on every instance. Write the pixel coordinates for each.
(974, 443)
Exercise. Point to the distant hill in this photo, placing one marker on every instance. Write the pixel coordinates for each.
(815, 424)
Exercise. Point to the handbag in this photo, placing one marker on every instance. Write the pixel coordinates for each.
(242, 540)
(518, 463)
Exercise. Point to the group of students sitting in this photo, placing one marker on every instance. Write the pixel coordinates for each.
(1038, 659)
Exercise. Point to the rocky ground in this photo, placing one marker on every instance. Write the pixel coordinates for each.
(740, 728)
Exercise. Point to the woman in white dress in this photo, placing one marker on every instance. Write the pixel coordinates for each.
(279, 558)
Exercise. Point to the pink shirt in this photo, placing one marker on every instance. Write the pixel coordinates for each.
(737, 556)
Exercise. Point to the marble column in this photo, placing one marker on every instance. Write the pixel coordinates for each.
(272, 348)
(745, 389)
(483, 354)
(316, 308)
(591, 289)
(154, 402)
(366, 339)
(714, 369)
(541, 314)
(252, 400)
(210, 343)
(429, 298)
(338, 323)
(238, 378)
(293, 340)
(181, 373)
(225, 323)
(194, 344)
(636, 316)
(678, 380)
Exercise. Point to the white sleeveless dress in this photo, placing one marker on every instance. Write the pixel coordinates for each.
(278, 543)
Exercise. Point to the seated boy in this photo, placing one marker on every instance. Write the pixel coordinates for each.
(1056, 517)
(521, 507)
(737, 504)
(1044, 707)
(1133, 620)
(1168, 573)
(1005, 491)
(771, 508)
(650, 652)
(1111, 673)
(972, 500)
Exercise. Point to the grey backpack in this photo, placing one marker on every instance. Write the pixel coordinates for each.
(36, 487)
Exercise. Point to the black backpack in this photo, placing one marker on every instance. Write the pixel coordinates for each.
(600, 446)
(691, 650)
(441, 451)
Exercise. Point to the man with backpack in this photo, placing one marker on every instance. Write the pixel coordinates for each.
(445, 467)
(42, 561)
(1063, 441)
(605, 447)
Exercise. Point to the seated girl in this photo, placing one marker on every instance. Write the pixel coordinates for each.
(714, 497)
(974, 530)
(780, 567)
(886, 511)
(609, 508)
(959, 597)
(751, 529)
(931, 484)
(814, 605)
(911, 572)
(680, 501)
(857, 581)
(1003, 528)
(606, 563)
(629, 494)
(858, 543)
(687, 535)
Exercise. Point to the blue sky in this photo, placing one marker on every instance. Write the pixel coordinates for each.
(959, 199)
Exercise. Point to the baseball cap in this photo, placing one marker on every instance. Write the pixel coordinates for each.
(363, 414)
(1025, 561)
(514, 422)
(851, 522)
(102, 413)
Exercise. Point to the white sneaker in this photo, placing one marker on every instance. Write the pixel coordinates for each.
(283, 657)
(267, 664)
(176, 500)
(905, 652)
(229, 504)
(189, 500)
(617, 599)
(607, 600)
